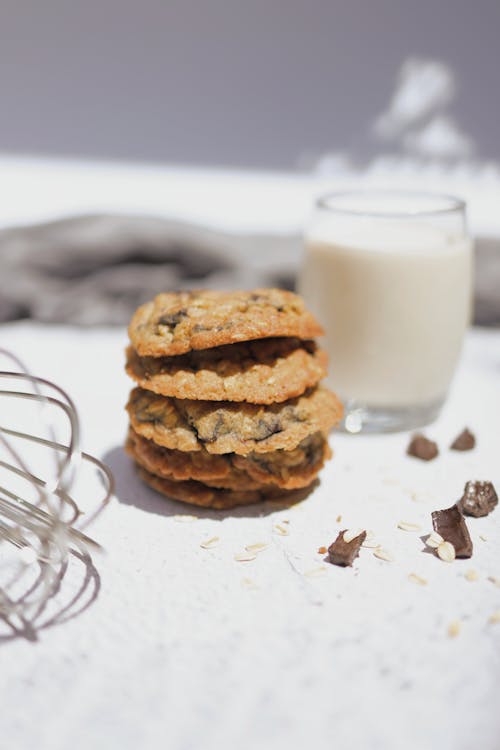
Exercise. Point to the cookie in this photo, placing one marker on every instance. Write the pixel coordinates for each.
(179, 466)
(199, 494)
(286, 469)
(177, 322)
(260, 372)
(289, 469)
(225, 427)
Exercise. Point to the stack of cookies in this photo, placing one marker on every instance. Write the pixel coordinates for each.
(228, 410)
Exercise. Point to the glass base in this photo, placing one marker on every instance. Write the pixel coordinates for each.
(360, 418)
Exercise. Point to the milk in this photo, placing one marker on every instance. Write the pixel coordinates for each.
(395, 300)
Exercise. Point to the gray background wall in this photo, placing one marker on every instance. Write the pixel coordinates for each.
(241, 82)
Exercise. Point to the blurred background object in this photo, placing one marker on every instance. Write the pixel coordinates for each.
(333, 95)
(229, 83)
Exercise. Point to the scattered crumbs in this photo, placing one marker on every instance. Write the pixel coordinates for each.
(421, 496)
(494, 619)
(370, 543)
(434, 540)
(281, 530)
(370, 540)
(249, 583)
(209, 543)
(454, 628)
(314, 572)
(446, 552)
(483, 537)
(257, 547)
(383, 554)
(339, 519)
(351, 534)
(494, 580)
(472, 575)
(285, 520)
(414, 578)
(244, 556)
(185, 518)
(322, 550)
(409, 526)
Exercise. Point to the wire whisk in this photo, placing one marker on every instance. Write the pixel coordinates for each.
(41, 522)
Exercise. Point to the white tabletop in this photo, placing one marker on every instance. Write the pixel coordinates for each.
(36, 189)
(188, 648)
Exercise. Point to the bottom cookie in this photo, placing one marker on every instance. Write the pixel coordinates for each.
(197, 493)
(285, 469)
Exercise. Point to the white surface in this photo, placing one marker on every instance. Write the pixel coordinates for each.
(177, 653)
(41, 189)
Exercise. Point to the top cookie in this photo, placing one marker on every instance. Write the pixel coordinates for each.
(177, 322)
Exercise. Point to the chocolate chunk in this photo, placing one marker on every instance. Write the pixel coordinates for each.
(450, 524)
(344, 553)
(479, 499)
(172, 320)
(423, 448)
(464, 442)
(267, 426)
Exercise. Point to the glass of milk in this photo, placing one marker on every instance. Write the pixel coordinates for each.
(389, 275)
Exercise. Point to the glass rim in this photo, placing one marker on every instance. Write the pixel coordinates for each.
(451, 203)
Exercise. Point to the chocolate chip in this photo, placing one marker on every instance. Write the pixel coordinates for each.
(423, 448)
(210, 430)
(464, 442)
(144, 415)
(267, 426)
(313, 452)
(344, 553)
(479, 499)
(450, 524)
(171, 320)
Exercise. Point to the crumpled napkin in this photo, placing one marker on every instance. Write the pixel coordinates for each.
(97, 269)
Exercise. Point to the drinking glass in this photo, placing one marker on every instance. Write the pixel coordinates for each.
(388, 274)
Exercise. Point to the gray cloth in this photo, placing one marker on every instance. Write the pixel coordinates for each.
(97, 269)
(487, 282)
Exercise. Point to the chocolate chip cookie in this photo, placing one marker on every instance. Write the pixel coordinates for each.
(225, 427)
(177, 322)
(199, 494)
(265, 371)
(182, 466)
(286, 469)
